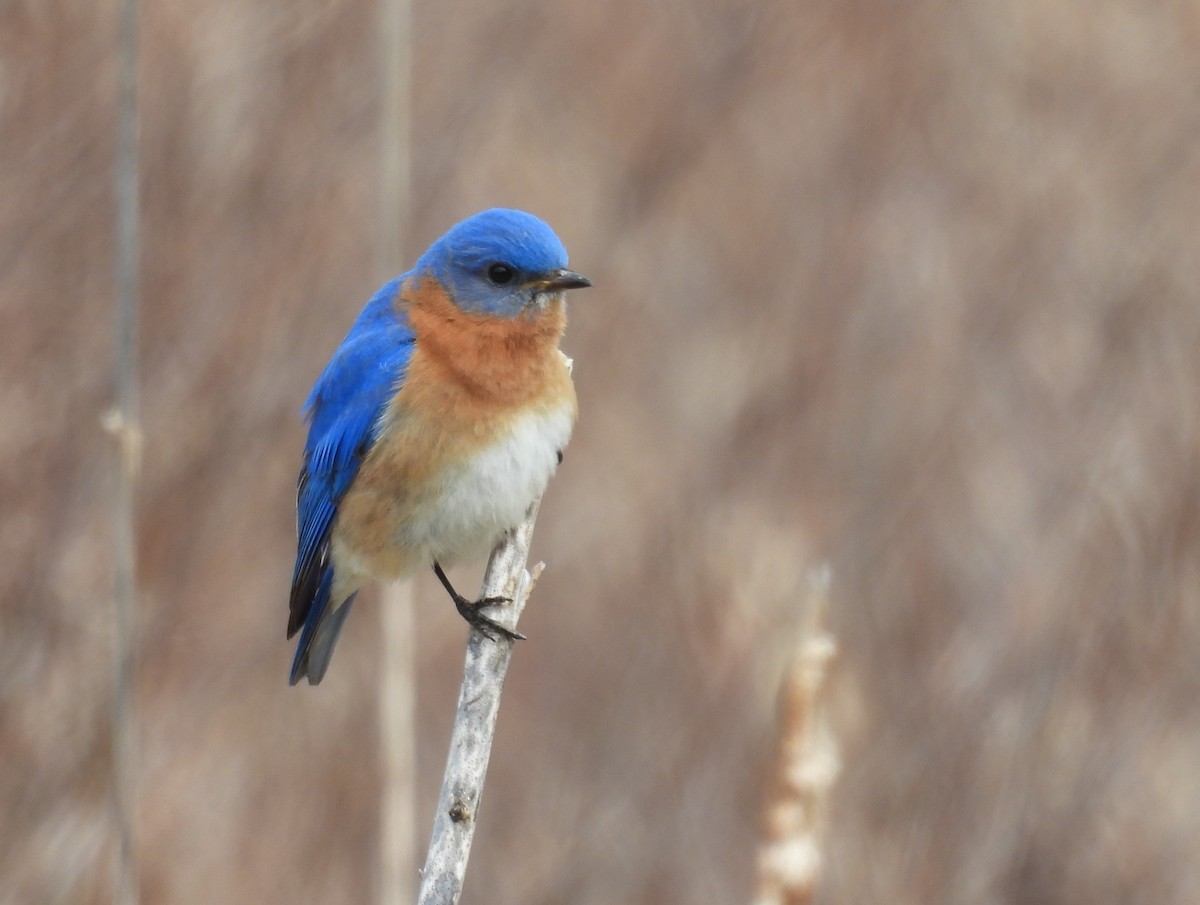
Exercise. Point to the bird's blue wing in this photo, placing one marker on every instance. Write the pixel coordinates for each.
(344, 410)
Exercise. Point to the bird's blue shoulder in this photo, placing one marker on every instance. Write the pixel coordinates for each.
(367, 368)
(344, 411)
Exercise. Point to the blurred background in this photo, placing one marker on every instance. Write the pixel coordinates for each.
(910, 289)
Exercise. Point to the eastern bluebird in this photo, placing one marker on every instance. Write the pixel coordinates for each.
(437, 422)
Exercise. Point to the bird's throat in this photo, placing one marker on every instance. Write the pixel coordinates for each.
(505, 360)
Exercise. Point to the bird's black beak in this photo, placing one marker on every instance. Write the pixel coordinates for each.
(558, 280)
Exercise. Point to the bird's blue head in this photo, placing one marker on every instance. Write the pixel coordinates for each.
(502, 263)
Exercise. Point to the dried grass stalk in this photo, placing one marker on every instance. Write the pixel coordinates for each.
(789, 859)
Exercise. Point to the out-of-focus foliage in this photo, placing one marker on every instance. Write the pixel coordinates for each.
(909, 287)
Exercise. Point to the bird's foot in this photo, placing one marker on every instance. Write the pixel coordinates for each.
(471, 610)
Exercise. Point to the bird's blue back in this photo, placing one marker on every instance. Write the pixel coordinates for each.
(344, 411)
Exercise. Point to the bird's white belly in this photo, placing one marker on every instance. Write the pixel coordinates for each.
(474, 503)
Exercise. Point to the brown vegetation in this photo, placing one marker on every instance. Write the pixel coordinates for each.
(908, 287)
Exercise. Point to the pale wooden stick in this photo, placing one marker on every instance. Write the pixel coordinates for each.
(475, 723)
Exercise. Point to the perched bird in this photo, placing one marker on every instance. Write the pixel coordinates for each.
(437, 422)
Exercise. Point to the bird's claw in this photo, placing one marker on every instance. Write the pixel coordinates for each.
(471, 610)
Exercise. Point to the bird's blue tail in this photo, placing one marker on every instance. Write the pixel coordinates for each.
(319, 636)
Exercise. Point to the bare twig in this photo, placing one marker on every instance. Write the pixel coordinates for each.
(123, 422)
(789, 861)
(475, 724)
(397, 718)
(397, 707)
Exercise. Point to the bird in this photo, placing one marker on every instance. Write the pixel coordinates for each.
(437, 422)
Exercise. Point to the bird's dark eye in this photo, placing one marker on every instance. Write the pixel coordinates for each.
(500, 274)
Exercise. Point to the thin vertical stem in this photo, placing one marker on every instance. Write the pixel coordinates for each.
(125, 424)
(397, 705)
(397, 867)
(394, 128)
